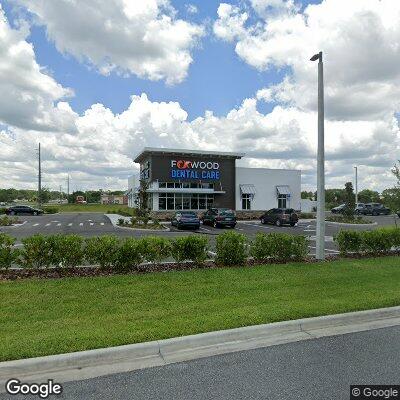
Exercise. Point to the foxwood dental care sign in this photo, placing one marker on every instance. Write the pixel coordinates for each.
(182, 169)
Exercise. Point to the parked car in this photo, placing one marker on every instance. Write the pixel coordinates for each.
(185, 219)
(218, 217)
(376, 209)
(338, 209)
(23, 210)
(360, 208)
(280, 216)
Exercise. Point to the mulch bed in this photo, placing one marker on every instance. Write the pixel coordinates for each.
(92, 271)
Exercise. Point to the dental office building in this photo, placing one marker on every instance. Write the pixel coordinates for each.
(197, 180)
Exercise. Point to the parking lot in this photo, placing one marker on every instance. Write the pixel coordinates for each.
(96, 224)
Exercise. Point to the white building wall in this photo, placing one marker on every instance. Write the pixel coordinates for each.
(265, 182)
(133, 183)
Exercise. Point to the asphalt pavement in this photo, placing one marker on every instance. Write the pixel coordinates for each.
(314, 369)
(97, 224)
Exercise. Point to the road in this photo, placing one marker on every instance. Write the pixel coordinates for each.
(308, 370)
(96, 224)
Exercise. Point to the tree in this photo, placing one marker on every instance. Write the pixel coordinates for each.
(368, 196)
(44, 196)
(350, 200)
(307, 195)
(142, 198)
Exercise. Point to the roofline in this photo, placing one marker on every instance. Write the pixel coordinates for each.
(272, 169)
(158, 150)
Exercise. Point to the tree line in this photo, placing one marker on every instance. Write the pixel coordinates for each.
(91, 196)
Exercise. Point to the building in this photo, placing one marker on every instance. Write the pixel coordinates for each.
(196, 180)
(113, 199)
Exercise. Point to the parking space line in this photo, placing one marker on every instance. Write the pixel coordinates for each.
(36, 224)
(91, 224)
(47, 224)
(58, 224)
(205, 229)
(259, 226)
(101, 223)
(81, 224)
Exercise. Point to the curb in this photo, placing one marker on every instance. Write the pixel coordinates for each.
(347, 224)
(100, 362)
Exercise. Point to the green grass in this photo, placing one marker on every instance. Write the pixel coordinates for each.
(89, 207)
(41, 317)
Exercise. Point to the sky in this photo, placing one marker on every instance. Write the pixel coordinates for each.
(96, 81)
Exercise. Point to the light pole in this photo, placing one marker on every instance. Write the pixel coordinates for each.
(356, 173)
(320, 239)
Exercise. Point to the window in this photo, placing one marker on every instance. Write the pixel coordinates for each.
(246, 201)
(178, 201)
(162, 185)
(202, 202)
(162, 201)
(194, 202)
(184, 201)
(282, 200)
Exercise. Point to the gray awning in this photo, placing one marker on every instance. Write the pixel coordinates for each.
(247, 189)
(283, 190)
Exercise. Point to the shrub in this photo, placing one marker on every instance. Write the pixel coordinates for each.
(191, 247)
(8, 254)
(134, 221)
(102, 250)
(231, 248)
(154, 248)
(37, 251)
(279, 247)
(121, 221)
(8, 221)
(51, 210)
(376, 241)
(128, 255)
(2, 210)
(349, 241)
(67, 250)
(306, 215)
(145, 219)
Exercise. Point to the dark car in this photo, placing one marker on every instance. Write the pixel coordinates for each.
(360, 208)
(376, 209)
(185, 219)
(23, 210)
(219, 217)
(280, 216)
(338, 209)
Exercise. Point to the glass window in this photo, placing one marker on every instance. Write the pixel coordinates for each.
(194, 202)
(178, 201)
(194, 185)
(202, 202)
(162, 203)
(170, 202)
(210, 201)
(246, 201)
(282, 201)
(186, 202)
(178, 185)
(162, 185)
(170, 185)
(186, 185)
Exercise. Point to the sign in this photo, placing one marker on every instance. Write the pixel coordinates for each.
(195, 170)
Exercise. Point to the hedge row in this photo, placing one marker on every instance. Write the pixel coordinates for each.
(65, 251)
(371, 242)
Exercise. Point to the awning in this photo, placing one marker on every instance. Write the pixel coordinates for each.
(248, 189)
(283, 190)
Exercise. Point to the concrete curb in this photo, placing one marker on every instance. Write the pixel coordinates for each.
(115, 217)
(94, 363)
(347, 224)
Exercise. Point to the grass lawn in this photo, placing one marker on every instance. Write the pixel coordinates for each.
(89, 207)
(41, 317)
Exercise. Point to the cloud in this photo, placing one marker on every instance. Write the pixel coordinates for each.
(360, 40)
(144, 38)
(191, 9)
(29, 93)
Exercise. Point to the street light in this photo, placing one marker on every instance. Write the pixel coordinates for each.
(356, 172)
(320, 239)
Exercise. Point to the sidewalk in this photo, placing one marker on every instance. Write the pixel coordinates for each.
(94, 363)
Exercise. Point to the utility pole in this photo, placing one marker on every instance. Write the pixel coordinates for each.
(320, 239)
(68, 188)
(356, 172)
(61, 195)
(40, 179)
